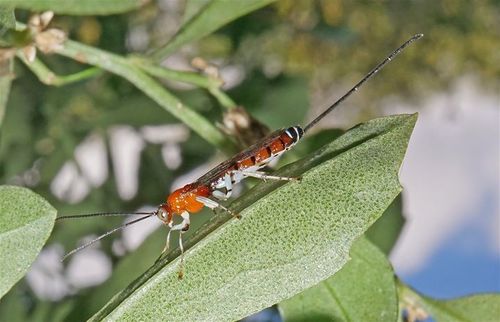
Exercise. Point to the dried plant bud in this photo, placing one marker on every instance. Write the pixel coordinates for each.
(199, 63)
(34, 23)
(47, 40)
(46, 18)
(414, 311)
(212, 71)
(29, 53)
(50, 40)
(6, 54)
(207, 68)
(241, 125)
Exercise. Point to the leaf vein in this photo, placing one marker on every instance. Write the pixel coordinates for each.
(337, 300)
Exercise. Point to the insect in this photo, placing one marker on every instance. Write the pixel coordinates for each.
(217, 184)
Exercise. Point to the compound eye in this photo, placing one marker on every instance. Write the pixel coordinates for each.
(162, 214)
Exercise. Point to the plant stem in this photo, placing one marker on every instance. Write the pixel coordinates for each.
(212, 84)
(222, 97)
(174, 75)
(46, 76)
(123, 67)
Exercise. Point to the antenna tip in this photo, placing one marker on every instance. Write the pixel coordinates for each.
(417, 36)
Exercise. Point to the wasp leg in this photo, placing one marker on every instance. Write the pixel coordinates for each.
(180, 274)
(167, 243)
(264, 176)
(220, 195)
(212, 204)
(183, 227)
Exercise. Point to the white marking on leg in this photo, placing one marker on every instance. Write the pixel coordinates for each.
(184, 225)
(207, 202)
(237, 176)
(167, 243)
(212, 204)
(224, 184)
(181, 246)
(264, 176)
(219, 195)
(229, 185)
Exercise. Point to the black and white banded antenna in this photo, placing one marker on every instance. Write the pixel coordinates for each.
(361, 82)
(144, 215)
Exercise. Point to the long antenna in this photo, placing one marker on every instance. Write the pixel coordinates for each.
(102, 214)
(361, 82)
(106, 234)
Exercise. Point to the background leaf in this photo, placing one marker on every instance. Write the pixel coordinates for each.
(385, 232)
(76, 7)
(480, 307)
(5, 83)
(211, 17)
(363, 290)
(192, 8)
(26, 221)
(484, 308)
(293, 238)
(7, 19)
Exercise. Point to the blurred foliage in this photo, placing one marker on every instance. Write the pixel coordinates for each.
(385, 231)
(77, 7)
(287, 55)
(335, 299)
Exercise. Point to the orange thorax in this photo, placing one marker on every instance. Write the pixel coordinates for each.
(184, 199)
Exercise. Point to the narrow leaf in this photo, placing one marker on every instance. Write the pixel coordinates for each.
(211, 17)
(289, 238)
(480, 307)
(192, 8)
(77, 7)
(363, 290)
(6, 75)
(26, 221)
(484, 308)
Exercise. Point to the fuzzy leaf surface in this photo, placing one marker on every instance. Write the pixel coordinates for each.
(26, 221)
(291, 236)
(363, 290)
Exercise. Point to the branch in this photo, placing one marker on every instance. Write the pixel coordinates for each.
(123, 67)
(48, 77)
(212, 84)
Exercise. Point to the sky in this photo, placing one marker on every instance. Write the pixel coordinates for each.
(450, 245)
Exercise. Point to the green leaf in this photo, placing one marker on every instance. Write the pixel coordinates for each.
(211, 17)
(386, 230)
(26, 221)
(484, 308)
(122, 67)
(193, 8)
(12, 307)
(296, 236)
(481, 307)
(5, 83)
(287, 103)
(7, 19)
(77, 7)
(363, 290)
